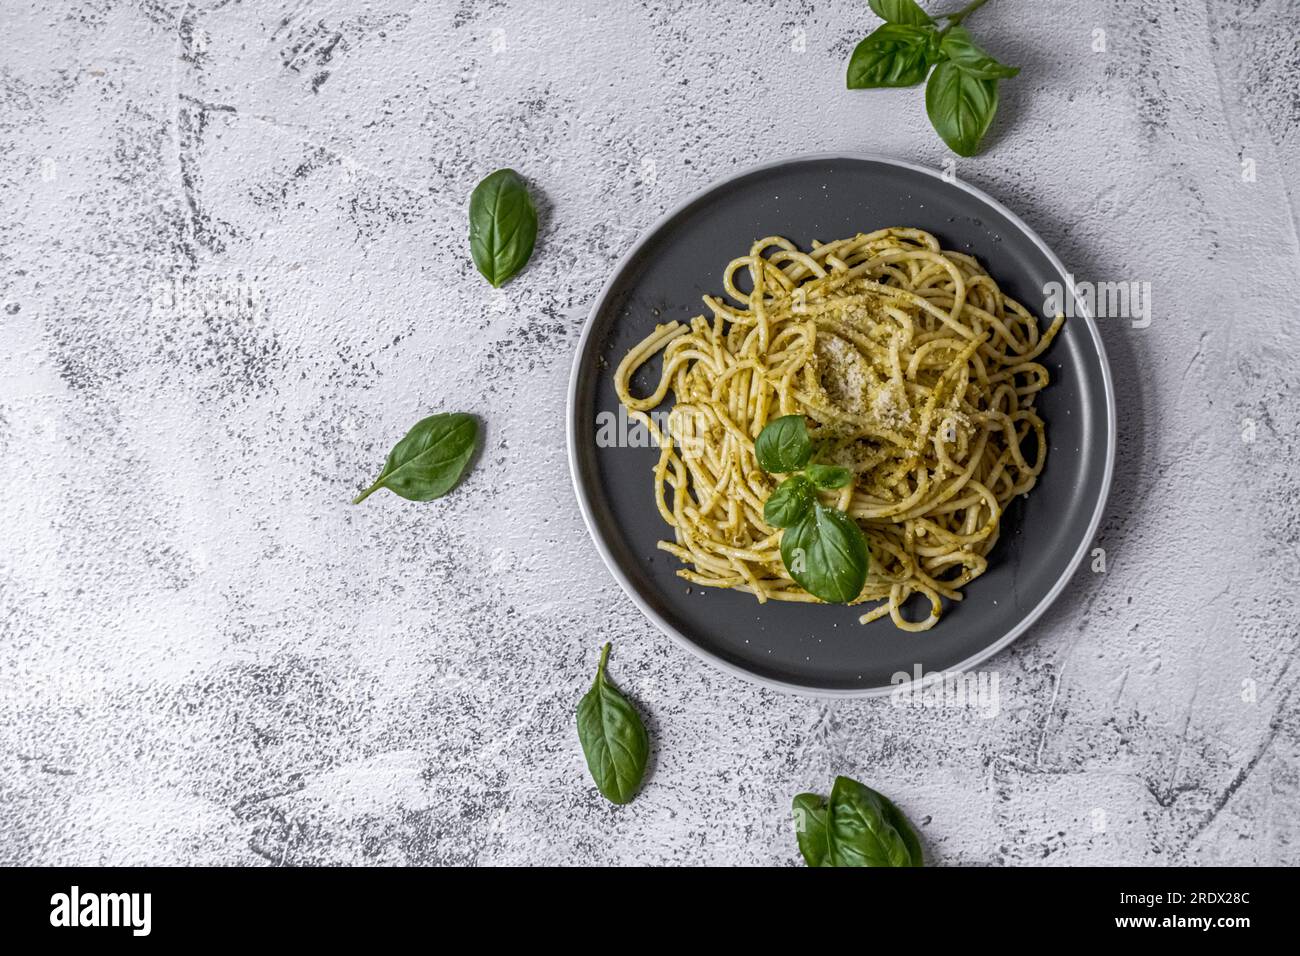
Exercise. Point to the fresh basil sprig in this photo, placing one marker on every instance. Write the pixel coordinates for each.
(857, 827)
(428, 462)
(614, 740)
(823, 548)
(502, 226)
(961, 96)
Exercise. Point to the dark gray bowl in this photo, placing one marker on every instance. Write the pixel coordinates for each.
(822, 649)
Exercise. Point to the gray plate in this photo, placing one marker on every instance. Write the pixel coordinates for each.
(822, 649)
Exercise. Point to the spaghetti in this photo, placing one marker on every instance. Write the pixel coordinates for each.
(913, 370)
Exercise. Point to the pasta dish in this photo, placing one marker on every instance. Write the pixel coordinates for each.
(911, 369)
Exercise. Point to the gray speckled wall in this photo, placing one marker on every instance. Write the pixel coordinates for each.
(235, 270)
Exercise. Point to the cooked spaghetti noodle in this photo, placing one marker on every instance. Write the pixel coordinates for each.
(913, 370)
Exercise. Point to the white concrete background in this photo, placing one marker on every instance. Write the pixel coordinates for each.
(207, 655)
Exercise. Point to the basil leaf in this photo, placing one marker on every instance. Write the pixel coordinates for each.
(829, 476)
(861, 831)
(892, 55)
(860, 827)
(784, 445)
(428, 462)
(961, 106)
(826, 552)
(810, 828)
(613, 738)
(502, 226)
(791, 500)
(899, 11)
(894, 817)
(958, 47)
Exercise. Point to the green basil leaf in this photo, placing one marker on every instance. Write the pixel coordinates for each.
(829, 476)
(428, 462)
(614, 740)
(894, 817)
(826, 553)
(502, 226)
(784, 445)
(892, 55)
(810, 827)
(861, 833)
(899, 11)
(961, 106)
(791, 500)
(958, 47)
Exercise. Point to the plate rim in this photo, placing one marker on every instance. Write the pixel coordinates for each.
(804, 690)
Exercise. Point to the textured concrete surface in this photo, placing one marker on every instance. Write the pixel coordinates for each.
(235, 271)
